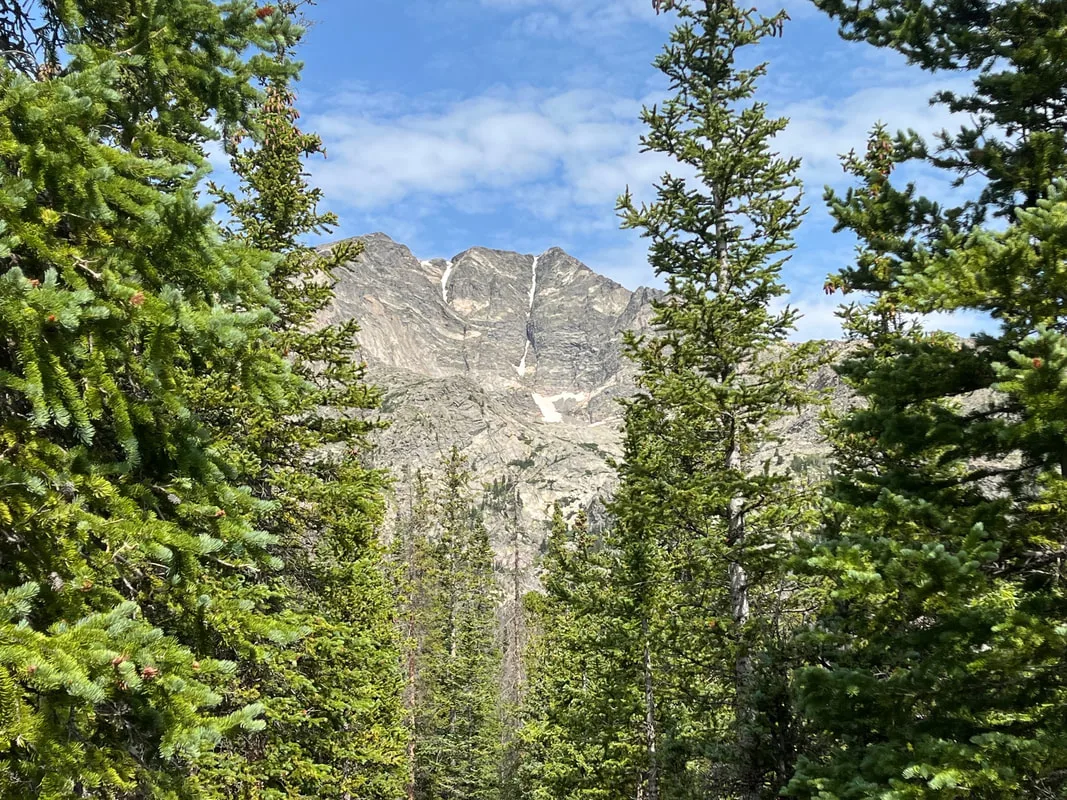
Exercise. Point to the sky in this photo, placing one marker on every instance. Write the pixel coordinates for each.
(514, 124)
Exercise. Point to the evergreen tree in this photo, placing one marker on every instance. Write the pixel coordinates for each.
(450, 602)
(333, 695)
(703, 522)
(1014, 136)
(410, 560)
(938, 662)
(576, 739)
(125, 532)
(502, 497)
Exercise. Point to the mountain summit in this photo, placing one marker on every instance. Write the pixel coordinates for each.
(539, 325)
(516, 359)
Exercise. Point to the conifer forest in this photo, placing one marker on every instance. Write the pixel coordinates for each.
(209, 590)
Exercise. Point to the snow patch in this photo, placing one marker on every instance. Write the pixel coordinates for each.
(533, 280)
(444, 280)
(548, 408)
(547, 405)
(521, 366)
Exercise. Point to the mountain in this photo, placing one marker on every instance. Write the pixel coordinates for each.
(516, 360)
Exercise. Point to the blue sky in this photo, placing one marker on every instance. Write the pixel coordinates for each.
(514, 124)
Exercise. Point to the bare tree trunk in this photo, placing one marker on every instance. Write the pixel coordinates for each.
(745, 715)
(409, 702)
(411, 643)
(513, 677)
(513, 621)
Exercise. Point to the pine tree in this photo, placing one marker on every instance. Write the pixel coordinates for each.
(937, 668)
(1014, 135)
(576, 739)
(410, 561)
(704, 523)
(449, 603)
(122, 522)
(332, 687)
(502, 497)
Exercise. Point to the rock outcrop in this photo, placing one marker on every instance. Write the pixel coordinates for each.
(515, 359)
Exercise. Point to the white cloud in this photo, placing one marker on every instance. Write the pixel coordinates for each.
(562, 157)
(594, 23)
(823, 128)
(603, 17)
(819, 318)
(560, 154)
(581, 15)
(496, 142)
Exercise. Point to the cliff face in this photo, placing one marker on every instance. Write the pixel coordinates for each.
(536, 325)
(514, 359)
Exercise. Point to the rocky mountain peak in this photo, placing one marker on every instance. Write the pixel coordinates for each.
(544, 324)
(514, 358)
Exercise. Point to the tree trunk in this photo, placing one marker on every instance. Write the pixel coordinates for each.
(514, 622)
(410, 690)
(453, 652)
(749, 779)
(745, 715)
(410, 703)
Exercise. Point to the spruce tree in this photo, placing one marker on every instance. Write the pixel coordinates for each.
(123, 525)
(1013, 136)
(937, 668)
(703, 522)
(332, 687)
(410, 563)
(502, 497)
(576, 739)
(449, 603)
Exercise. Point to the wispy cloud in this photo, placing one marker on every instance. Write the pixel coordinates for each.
(565, 147)
(824, 127)
(522, 167)
(575, 17)
(604, 17)
(557, 153)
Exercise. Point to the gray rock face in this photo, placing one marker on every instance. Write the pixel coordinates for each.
(514, 359)
(540, 324)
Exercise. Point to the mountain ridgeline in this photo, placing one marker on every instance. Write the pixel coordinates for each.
(516, 360)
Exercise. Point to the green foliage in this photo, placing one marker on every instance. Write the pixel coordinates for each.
(577, 736)
(170, 427)
(1013, 135)
(673, 676)
(704, 524)
(449, 598)
(123, 530)
(328, 670)
(936, 665)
